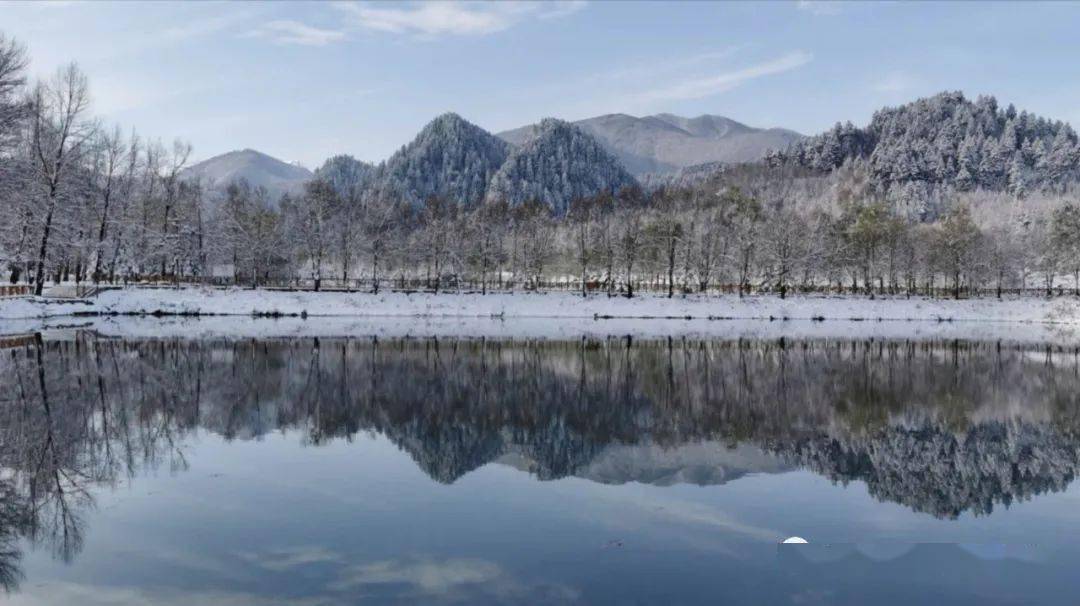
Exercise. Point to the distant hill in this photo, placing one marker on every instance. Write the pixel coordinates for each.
(953, 141)
(664, 143)
(559, 164)
(257, 168)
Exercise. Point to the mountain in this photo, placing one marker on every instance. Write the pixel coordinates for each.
(450, 158)
(256, 167)
(950, 140)
(347, 175)
(704, 463)
(558, 164)
(664, 143)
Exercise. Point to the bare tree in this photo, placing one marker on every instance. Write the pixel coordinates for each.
(309, 223)
(125, 195)
(15, 228)
(13, 108)
(110, 153)
(630, 238)
(784, 237)
(176, 162)
(582, 219)
(487, 223)
(745, 216)
(60, 131)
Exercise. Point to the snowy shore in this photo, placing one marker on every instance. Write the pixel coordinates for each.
(236, 327)
(250, 303)
(146, 313)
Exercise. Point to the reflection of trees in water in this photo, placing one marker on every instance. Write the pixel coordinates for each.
(940, 427)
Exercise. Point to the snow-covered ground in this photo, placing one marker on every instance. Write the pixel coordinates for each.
(233, 327)
(232, 313)
(244, 302)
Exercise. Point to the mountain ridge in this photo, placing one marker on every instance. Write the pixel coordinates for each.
(665, 143)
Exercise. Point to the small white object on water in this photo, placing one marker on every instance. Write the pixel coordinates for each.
(796, 540)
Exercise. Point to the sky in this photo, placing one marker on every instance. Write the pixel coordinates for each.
(305, 81)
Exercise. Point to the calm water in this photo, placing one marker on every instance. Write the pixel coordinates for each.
(304, 471)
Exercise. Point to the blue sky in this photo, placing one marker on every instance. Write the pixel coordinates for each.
(308, 80)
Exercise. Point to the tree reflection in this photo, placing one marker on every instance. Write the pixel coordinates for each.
(941, 427)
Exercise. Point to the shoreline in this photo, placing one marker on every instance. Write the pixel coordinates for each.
(206, 302)
(206, 313)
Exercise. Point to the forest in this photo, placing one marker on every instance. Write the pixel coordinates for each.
(943, 197)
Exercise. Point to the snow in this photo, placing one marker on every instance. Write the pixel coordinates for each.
(248, 302)
(232, 312)
(235, 327)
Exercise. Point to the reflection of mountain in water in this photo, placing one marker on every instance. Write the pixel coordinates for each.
(705, 463)
(943, 428)
(939, 472)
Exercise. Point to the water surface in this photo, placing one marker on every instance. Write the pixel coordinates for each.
(337, 471)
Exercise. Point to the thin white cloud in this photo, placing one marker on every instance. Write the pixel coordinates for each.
(281, 560)
(427, 576)
(453, 18)
(700, 87)
(451, 580)
(119, 595)
(293, 32)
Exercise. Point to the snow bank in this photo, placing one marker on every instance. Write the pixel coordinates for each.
(242, 302)
(233, 327)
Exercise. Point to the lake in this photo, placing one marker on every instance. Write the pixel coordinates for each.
(615, 470)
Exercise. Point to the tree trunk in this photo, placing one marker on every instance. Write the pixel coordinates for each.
(671, 275)
(375, 272)
(584, 280)
(101, 241)
(39, 274)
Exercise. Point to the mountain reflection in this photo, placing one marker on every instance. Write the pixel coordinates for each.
(941, 427)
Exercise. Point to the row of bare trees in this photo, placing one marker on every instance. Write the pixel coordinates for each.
(743, 231)
(86, 203)
(82, 201)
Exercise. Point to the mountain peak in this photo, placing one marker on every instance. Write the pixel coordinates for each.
(257, 168)
(548, 124)
(450, 157)
(449, 121)
(560, 163)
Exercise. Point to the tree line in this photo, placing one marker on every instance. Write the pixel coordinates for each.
(86, 203)
(747, 229)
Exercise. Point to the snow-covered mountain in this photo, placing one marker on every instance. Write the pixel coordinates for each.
(553, 161)
(558, 164)
(951, 140)
(347, 175)
(704, 463)
(257, 168)
(450, 158)
(664, 143)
